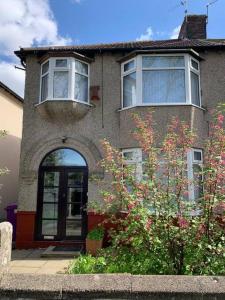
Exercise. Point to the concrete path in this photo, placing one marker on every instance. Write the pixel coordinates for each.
(29, 261)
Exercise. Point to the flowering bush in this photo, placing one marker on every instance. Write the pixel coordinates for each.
(3, 170)
(161, 230)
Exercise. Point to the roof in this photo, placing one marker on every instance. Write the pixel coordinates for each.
(8, 90)
(128, 46)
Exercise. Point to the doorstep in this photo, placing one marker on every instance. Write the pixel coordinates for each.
(62, 251)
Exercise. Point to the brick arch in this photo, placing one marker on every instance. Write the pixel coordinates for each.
(36, 153)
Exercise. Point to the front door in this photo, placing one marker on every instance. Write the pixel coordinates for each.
(62, 198)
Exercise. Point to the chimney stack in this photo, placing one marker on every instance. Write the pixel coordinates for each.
(194, 27)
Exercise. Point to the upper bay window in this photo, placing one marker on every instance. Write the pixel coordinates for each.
(64, 79)
(161, 79)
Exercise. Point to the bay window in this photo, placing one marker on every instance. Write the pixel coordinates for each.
(136, 158)
(160, 79)
(64, 79)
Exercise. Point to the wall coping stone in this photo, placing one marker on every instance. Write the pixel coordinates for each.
(111, 286)
(6, 230)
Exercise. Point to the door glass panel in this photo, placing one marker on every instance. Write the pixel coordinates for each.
(75, 179)
(50, 195)
(73, 211)
(73, 228)
(49, 227)
(74, 195)
(51, 179)
(50, 211)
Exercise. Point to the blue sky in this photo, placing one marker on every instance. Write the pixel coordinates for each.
(96, 21)
(63, 22)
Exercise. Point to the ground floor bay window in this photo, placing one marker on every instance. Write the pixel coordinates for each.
(135, 158)
(164, 79)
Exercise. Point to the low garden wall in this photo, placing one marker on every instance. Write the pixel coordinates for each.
(5, 245)
(118, 286)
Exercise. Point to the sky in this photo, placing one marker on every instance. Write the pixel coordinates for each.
(64, 22)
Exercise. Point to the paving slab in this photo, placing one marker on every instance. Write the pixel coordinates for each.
(30, 261)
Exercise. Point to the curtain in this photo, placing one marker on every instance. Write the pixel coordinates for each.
(164, 86)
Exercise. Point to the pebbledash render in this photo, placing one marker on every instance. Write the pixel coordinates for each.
(77, 95)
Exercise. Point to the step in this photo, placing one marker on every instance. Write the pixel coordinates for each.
(62, 251)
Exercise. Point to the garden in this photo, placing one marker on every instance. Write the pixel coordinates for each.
(155, 226)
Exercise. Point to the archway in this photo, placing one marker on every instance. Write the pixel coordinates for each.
(62, 196)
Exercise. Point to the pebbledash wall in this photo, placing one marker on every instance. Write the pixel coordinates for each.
(104, 120)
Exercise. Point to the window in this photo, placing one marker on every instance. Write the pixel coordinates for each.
(64, 79)
(161, 79)
(195, 160)
(136, 158)
(133, 157)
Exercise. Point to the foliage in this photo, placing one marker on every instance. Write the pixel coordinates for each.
(161, 232)
(3, 170)
(96, 234)
(87, 265)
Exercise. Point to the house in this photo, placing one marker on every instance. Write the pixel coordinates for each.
(11, 115)
(77, 95)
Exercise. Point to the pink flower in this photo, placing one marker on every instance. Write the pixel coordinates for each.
(183, 223)
(220, 119)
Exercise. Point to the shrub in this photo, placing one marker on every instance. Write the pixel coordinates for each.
(163, 231)
(96, 234)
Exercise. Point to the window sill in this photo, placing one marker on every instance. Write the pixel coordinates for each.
(64, 110)
(159, 105)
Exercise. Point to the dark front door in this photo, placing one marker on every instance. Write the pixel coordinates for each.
(62, 199)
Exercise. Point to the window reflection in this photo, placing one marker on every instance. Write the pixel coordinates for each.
(64, 157)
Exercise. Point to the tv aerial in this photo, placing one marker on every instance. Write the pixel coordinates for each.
(207, 7)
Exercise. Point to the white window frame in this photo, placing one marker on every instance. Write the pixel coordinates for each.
(41, 76)
(136, 161)
(71, 79)
(190, 162)
(138, 69)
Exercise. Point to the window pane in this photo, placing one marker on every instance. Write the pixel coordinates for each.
(45, 68)
(195, 89)
(50, 195)
(198, 186)
(60, 89)
(44, 87)
(164, 86)
(81, 88)
(197, 155)
(194, 64)
(50, 211)
(129, 89)
(81, 67)
(51, 179)
(128, 66)
(61, 63)
(73, 227)
(49, 227)
(162, 61)
(64, 157)
(128, 155)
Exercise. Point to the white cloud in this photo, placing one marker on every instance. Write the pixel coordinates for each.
(175, 32)
(12, 77)
(24, 23)
(27, 22)
(148, 35)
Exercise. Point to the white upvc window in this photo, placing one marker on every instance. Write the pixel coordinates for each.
(133, 157)
(194, 163)
(64, 78)
(162, 79)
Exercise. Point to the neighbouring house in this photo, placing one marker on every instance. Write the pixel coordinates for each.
(11, 118)
(77, 95)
